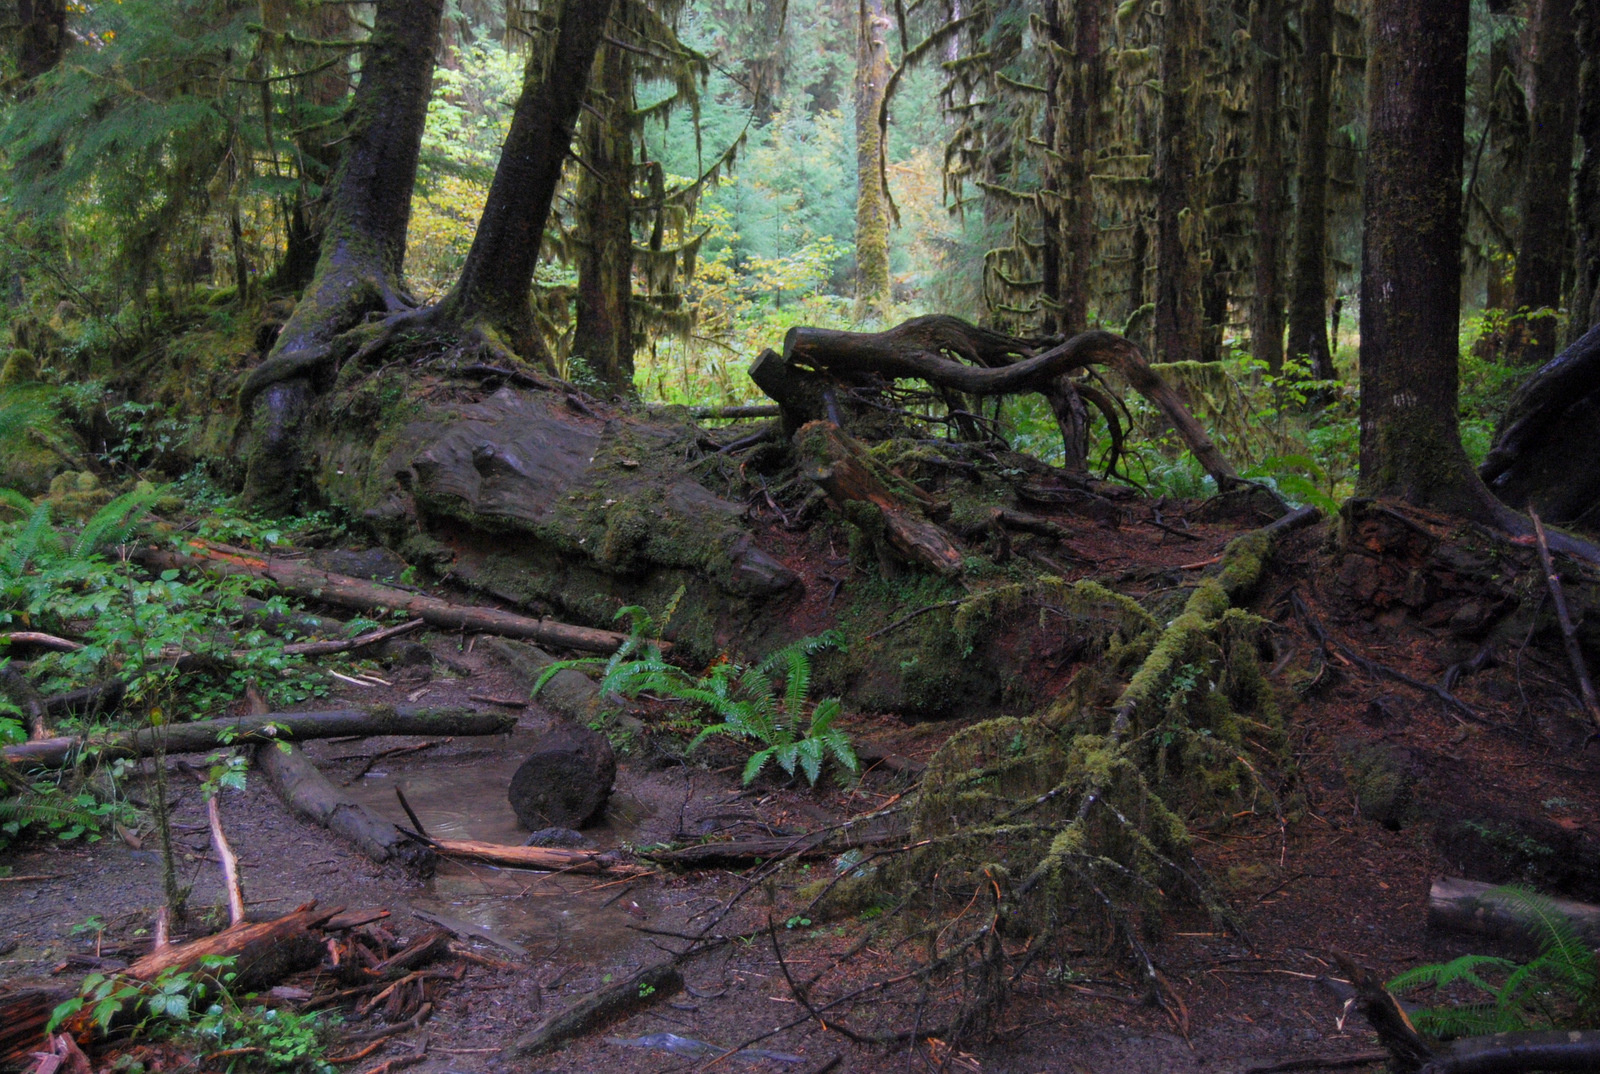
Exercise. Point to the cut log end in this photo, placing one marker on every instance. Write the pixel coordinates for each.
(566, 781)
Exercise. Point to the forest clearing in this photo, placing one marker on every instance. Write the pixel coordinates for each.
(666, 535)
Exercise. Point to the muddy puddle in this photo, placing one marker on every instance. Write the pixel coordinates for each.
(464, 797)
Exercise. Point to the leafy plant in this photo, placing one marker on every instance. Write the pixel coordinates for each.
(767, 702)
(1558, 989)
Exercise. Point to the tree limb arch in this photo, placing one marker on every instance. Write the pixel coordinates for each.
(950, 354)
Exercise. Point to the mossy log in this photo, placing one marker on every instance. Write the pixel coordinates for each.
(313, 796)
(272, 726)
(1470, 906)
(874, 499)
(301, 579)
(649, 986)
(817, 362)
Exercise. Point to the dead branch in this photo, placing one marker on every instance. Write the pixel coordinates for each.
(310, 794)
(649, 986)
(230, 864)
(1569, 633)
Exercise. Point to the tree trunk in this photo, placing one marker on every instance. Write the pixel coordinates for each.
(872, 212)
(310, 794)
(363, 252)
(1585, 305)
(41, 37)
(1179, 224)
(492, 292)
(1308, 299)
(1411, 259)
(604, 334)
(1266, 146)
(1505, 98)
(1545, 205)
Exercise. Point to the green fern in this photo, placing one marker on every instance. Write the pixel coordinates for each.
(764, 702)
(116, 522)
(1556, 990)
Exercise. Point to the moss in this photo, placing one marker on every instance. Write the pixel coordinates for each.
(20, 368)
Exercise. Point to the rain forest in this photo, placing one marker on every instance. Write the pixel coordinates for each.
(810, 535)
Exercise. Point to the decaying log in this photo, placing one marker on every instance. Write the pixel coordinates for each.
(1513, 1053)
(566, 781)
(649, 986)
(1469, 906)
(310, 794)
(814, 358)
(272, 726)
(301, 579)
(551, 859)
(1408, 1051)
(873, 499)
(569, 692)
(264, 952)
(23, 1016)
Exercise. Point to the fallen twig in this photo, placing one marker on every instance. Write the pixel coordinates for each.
(1569, 633)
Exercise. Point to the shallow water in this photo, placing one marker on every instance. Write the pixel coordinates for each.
(465, 798)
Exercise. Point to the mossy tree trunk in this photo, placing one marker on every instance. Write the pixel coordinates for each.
(368, 209)
(1545, 204)
(1266, 147)
(604, 334)
(1411, 259)
(1075, 96)
(1179, 225)
(1585, 305)
(1308, 299)
(492, 294)
(1507, 112)
(872, 210)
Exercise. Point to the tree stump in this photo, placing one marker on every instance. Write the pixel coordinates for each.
(566, 781)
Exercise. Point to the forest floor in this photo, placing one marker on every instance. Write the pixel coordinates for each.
(1332, 880)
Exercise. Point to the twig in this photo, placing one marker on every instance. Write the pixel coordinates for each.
(327, 648)
(904, 619)
(1175, 531)
(405, 805)
(230, 864)
(380, 755)
(35, 876)
(1569, 633)
(508, 702)
(41, 641)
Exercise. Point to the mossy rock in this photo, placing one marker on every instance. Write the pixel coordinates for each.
(1383, 778)
(77, 494)
(20, 368)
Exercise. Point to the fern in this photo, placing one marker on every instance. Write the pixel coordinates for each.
(116, 522)
(1557, 989)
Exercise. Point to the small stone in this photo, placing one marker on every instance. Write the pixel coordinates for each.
(555, 837)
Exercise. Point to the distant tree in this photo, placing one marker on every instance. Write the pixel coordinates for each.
(1308, 298)
(1585, 303)
(1266, 150)
(872, 211)
(1180, 216)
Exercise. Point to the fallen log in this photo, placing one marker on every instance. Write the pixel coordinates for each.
(263, 952)
(267, 727)
(309, 793)
(1512, 1053)
(23, 1016)
(550, 859)
(621, 998)
(33, 639)
(1469, 906)
(566, 781)
(302, 579)
(873, 499)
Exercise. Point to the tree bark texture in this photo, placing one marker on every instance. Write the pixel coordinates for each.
(1411, 258)
(603, 337)
(1545, 202)
(1585, 305)
(1308, 299)
(1075, 88)
(494, 283)
(1179, 219)
(204, 735)
(872, 210)
(1266, 146)
(368, 210)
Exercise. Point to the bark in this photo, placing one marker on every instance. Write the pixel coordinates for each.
(1504, 128)
(313, 796)
(1544, 205)
(1078, 86)
(1469, 906)
(1512, 1053)
(493, 289)
(617, 1000)
(1308, 299)
(299, 578)
(816, 361)
(881, 506)
(553, 859)
(603, 337)
(1179, 225)
(203, 735)
(368, 210)
(1266, 146)
(1585, 305)
(872, 211)
(566, 781)
(1411, 259)
(1546, 451)
(41, 37)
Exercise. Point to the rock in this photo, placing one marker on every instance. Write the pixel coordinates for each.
(566, 781)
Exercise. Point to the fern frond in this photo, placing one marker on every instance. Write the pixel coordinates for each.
(1443, 974)
(35, 536)
(16, 502)
(115, 522)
